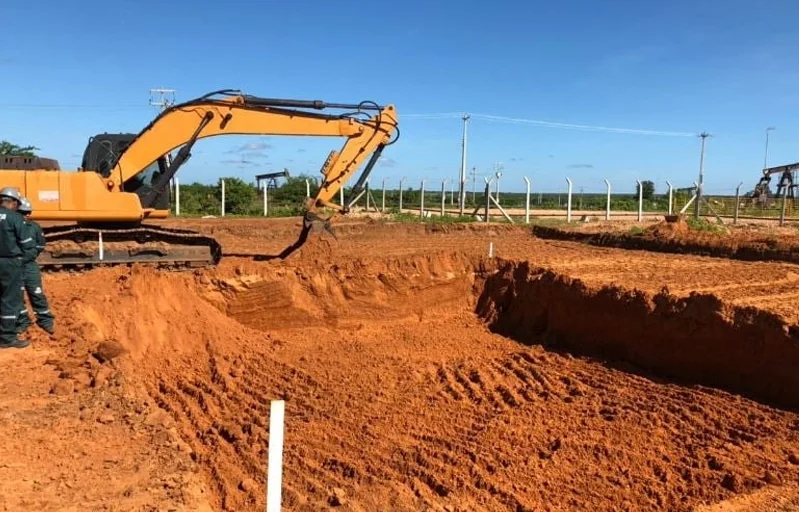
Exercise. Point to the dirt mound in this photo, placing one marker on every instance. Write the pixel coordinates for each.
(668, 230)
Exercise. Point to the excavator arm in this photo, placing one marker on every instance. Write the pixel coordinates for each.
(233, 113)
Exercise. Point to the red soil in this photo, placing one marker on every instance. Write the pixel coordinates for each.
(397, 350)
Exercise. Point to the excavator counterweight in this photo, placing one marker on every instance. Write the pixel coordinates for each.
(124, 178)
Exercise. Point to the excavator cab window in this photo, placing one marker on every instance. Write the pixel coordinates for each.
(142, 184)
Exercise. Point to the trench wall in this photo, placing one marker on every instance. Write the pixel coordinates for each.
(697, 339)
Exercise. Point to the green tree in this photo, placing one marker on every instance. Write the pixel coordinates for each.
(648, 189)
(9, 149)
(293, 191)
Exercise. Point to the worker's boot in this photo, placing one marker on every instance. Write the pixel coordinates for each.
(48, 327)
(15, 344)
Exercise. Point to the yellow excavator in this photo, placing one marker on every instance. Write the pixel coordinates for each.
(124, 179)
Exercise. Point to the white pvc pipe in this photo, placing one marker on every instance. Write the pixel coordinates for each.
(177, 197)
(274, 477)
(223, 198)
(307, 188)
(607, 207)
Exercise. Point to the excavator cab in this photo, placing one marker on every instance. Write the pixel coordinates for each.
(101, 156)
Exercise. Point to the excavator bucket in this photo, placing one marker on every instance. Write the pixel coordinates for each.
(311, 223)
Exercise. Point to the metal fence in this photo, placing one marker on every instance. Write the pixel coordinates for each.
(429, 199)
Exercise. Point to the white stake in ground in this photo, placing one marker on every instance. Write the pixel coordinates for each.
(274, 471)
(223, 198)
(607, 205)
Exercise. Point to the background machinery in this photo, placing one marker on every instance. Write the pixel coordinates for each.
(124, 178)
(762, 195)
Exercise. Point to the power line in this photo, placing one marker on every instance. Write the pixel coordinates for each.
(552, 124)
(22, 106)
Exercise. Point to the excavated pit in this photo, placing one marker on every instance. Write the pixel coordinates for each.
(427, 382)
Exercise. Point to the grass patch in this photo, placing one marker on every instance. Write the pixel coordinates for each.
(705, 226)
(636, 230)
(433, 219)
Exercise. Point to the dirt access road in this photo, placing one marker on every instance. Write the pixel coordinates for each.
(418, 374)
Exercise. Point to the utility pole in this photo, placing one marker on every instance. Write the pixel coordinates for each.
(765, 158)
(700, 183)
(499, 167)
(462, 193)
(163, 99)
(166, 98)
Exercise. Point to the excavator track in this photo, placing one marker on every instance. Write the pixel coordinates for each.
(76, 247)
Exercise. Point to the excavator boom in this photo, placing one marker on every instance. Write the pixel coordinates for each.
(125, 178)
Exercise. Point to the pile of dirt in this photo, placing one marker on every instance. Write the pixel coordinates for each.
(666, 230)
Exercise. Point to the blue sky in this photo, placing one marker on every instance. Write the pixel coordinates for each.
(73, 68)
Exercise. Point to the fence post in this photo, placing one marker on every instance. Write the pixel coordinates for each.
(421, 201)
(341, 195)
(671, 198)
(607, 206)
(400, 199)
(177, 197)
(383, 206)
(488, 196)
(737, 202)
(443, 195)
(569, 201)
(223, 198)
(784, 204)
(366, 188)
(640, 201)
(527, 202)
(307, 188)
